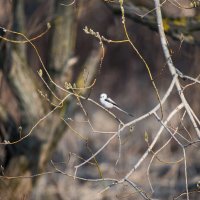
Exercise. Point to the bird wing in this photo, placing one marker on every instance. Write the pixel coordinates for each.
(109, 100)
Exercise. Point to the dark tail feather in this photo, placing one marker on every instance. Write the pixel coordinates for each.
(130, 114)
(124, 111)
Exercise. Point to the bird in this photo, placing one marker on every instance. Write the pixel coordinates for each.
(109, 103)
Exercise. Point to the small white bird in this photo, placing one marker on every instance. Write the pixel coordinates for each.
(109, 103)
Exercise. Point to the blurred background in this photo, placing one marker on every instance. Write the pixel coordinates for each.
(73, 57)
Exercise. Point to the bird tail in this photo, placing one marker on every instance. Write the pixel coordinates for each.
(124, 111)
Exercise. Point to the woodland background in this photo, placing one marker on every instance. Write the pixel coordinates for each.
(72, 56)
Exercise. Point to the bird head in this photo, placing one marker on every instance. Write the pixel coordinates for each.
(103, 96)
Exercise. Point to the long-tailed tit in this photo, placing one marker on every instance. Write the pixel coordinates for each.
(109, 103)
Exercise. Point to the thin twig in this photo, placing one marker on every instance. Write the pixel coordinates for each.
(170, 64)
(179, 107)
(129, 123)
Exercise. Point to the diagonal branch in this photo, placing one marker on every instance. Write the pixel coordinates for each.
(170, 64)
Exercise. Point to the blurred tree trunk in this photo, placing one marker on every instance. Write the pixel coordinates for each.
(22, 82)
(21, 77)
(31, 155)
(63, 40)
